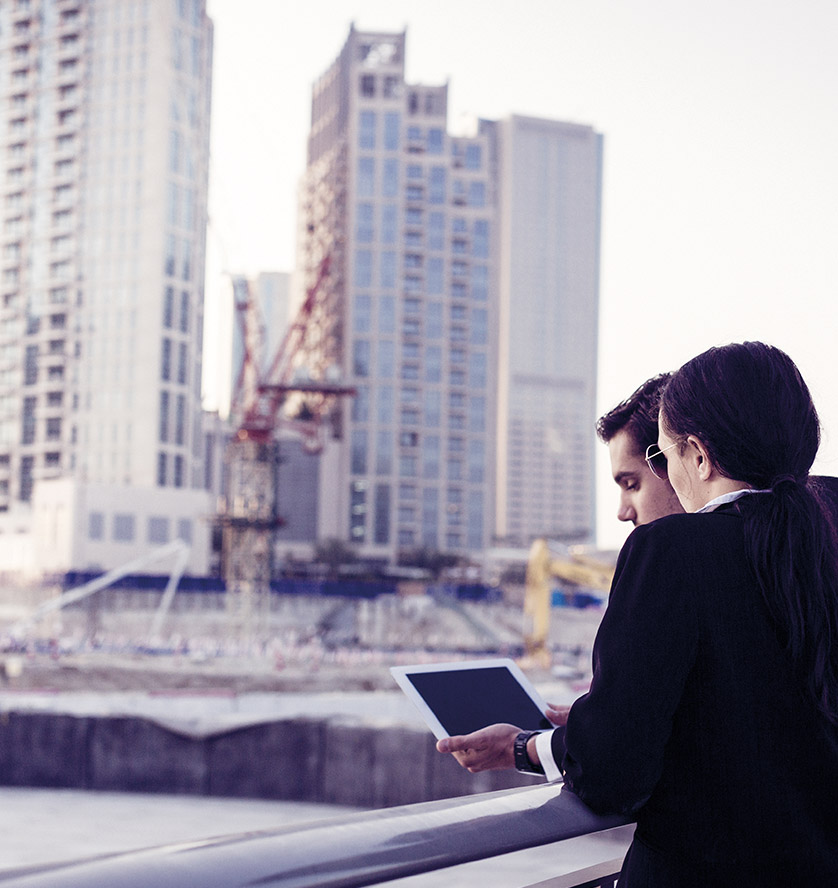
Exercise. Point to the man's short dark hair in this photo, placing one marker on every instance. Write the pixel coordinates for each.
(637, 415)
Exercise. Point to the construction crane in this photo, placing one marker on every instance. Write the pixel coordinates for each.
(579, 570)
(250, 514)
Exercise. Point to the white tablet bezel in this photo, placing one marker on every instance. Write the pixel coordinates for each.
(401, 673)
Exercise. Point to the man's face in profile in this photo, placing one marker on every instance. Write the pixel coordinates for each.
(643, 497)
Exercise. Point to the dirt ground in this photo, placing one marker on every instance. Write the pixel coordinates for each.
(294, 656)
(150, 673)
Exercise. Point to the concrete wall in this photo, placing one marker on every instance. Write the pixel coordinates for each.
(297, 760)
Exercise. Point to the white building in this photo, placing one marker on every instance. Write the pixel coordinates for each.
(550, 180)
(461, 302)
(104, 121)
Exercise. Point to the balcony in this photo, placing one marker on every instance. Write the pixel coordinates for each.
(363, 849)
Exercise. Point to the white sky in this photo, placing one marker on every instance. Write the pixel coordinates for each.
(720, 211)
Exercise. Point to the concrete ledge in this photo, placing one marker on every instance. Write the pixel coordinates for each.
(309, 760)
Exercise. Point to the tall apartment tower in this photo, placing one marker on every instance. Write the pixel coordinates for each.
(104, 118)
(426, 309)
(402, 212)
(549, 182)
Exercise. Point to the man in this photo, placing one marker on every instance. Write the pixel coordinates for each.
(629, 429)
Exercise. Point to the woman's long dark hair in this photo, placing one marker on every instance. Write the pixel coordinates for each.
(749, 406)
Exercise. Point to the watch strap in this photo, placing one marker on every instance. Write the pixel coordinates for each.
(523, 763)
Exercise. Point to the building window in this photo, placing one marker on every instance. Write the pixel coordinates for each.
(384, 452)
(480, 282)
(366, 177)
(477, 414)
(123, 528)
(392, 125)
(480, 239)
(430, 457)
(389, 224)
(182, 363)
(362, 313)
(361, 357)
(363, 269)
(390, 177)
(477, 370)
(387, 272)
(28, 426)
(185, 530)
(386, 358)
(436, 192)
(477, 194)
(158, 530)
(364, 231)
(161, 469)
(166, 359)
(476, 460)
(164, 416)
(54, 428)
(361, 404)
(358, 452)
(474, 528)
(366, 129)
(385, 404)
(168, 307)
(169, 260)
(180, 466)
(180, 420)
(433, 320)
(381, 519)
(479, 326)
(386, 314)
(96, 526)
(368, 86)
(433, 408)
(474, 157)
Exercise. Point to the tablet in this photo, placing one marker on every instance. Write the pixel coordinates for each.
(458, 698)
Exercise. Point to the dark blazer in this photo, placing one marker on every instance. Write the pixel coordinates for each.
(695, 723)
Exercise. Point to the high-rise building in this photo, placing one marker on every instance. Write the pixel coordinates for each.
(549, 184)
(454, 307)
(105, 136)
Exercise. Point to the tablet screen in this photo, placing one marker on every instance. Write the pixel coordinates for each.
(461, 698)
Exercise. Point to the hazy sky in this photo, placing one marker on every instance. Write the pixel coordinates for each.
(720, 211)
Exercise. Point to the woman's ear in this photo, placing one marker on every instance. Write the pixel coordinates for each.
(700, 458)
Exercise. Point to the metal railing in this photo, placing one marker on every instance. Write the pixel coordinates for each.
(356, 850)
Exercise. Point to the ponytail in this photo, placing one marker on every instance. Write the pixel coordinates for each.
(791, 546)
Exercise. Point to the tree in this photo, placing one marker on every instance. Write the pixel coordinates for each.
(432, 560)
(334, 553)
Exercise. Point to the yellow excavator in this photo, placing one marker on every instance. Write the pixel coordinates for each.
(580, 569)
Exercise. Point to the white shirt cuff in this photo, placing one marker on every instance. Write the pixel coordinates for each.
(544, 748)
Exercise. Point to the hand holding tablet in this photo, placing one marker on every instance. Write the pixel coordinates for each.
(459, 698)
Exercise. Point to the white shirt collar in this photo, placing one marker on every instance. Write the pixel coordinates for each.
(727, 498)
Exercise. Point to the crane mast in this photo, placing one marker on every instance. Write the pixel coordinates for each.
(250, 513)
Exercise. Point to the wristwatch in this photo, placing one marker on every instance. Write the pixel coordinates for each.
(523, 763)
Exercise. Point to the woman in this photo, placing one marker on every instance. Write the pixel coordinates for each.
(713, 710)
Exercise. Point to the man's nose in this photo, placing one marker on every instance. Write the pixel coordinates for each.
(626, 512)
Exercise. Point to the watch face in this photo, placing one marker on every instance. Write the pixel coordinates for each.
(380, 53)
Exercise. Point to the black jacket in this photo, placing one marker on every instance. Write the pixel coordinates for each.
(695, 723)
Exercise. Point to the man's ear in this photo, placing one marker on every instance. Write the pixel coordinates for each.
(697, 452)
